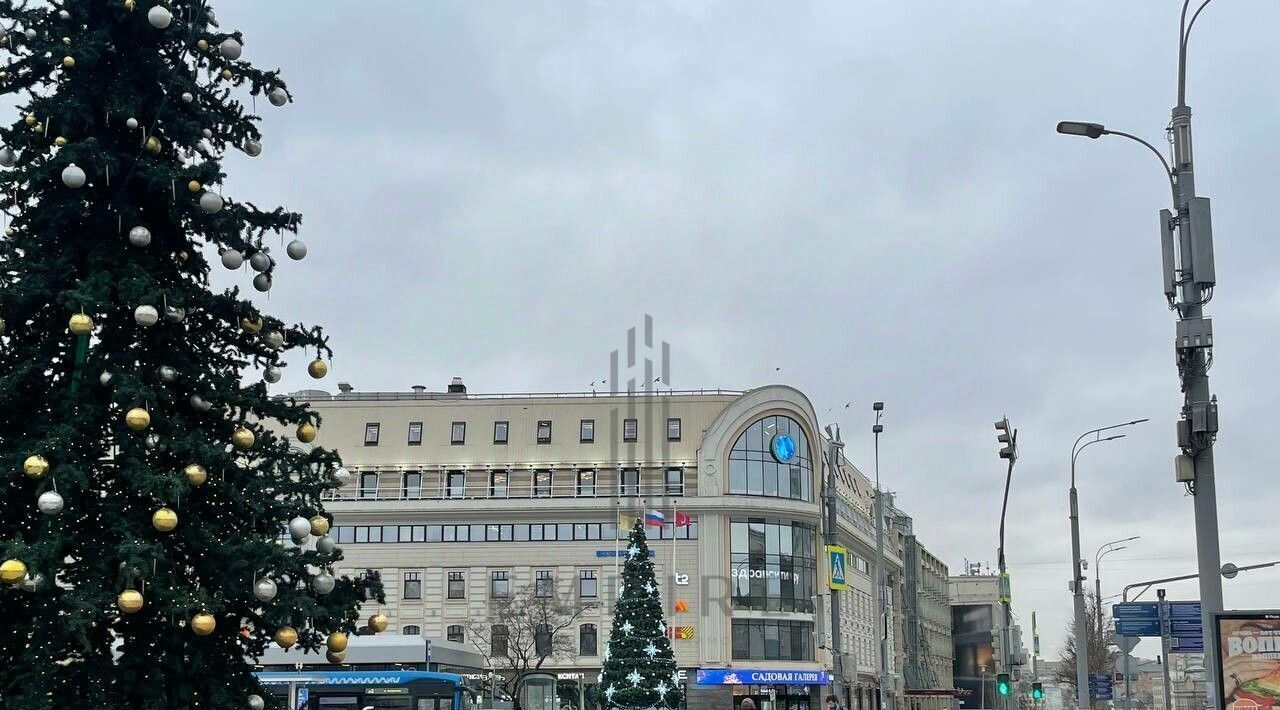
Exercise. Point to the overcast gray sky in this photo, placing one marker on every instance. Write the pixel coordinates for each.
(870, 196)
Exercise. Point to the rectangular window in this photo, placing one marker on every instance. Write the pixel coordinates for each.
(675, 481)
(454, 633)
(587, 431)
(369, 485)
(499, 584)
(629, 482)
(673, 429)
(500, 432)
(457, 485)
(412, 585)
(412, 485)
(498, 484)
(587, 643)
(542, 484)
(588, 586)
(544, 584)
(412, 631)
(458, 433)
(371, 433)
(415, 433)
(457, 585)
(630, 430)
(544, 431)
(498, 640)
(586, 482)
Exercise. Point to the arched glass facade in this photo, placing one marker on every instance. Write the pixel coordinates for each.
(772, 458)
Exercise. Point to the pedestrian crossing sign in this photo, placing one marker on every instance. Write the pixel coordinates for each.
(837, 557)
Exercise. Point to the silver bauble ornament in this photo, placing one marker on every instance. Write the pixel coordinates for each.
(104, 379)
(32, 583)
(341, 475)
(146, 316)
(264, 589)
(168, 374)
(260, 261)
(300, 527)
(262, 282)
(152, 441)
(7, 157)
(274, 339)
(230, 49)
(232, 259)
(187, 97)
(131, 123)
(50, 503)
(297, 250)
(323, 583)
(207, 133)
(64, 15)
(256, 702)
(325, 545)
(139, 236)
(173, 314)
(159, 17)
(200, 404)
(211, 202)
(271, 374)
(73, 176)
(30, 33)
(252, 148)
(278, 97)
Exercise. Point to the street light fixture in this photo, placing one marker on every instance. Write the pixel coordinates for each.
(1103, 551)
(1079, 128)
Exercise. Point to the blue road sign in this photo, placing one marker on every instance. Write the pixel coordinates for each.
(1138, 627)
(1136, 610)
(1186, 630)
(1100, 686)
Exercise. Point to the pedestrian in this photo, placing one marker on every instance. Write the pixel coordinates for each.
(747, 704)
(833, 703)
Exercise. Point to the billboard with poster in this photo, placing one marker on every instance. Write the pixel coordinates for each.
(1249, 643)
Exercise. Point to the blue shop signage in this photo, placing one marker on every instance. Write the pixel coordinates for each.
(761, 676)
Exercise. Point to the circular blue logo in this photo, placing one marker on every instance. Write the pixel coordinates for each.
(783, 447)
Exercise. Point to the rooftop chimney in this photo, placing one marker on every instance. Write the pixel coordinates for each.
(456, 386)
(419, 389)
(345, 387)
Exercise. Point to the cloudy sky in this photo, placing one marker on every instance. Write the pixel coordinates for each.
(869, 196)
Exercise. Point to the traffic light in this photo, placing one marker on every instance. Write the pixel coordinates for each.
(1004, 685)
(1037, 691)
(1008, 439)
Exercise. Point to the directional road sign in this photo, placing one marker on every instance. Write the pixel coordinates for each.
(1137, 618)
(1100, 686)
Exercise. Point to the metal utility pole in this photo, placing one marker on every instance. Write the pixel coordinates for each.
(1009, 437)
(834, 446)
(882, 589)
(1189, 279)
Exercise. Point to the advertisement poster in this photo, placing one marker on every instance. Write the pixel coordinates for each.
(1250, 647)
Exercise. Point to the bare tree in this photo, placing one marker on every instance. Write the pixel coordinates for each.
(525, 629)
(1101, 645)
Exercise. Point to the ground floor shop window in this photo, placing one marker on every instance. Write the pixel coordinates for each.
(782, 697)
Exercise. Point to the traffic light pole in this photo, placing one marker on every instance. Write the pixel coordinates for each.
(834, 445)
(882, 589)
(1008, 437)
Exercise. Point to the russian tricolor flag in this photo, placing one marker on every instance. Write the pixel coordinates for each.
(654, 517)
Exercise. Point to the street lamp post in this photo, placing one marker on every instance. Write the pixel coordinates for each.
(1077, 576)
(1103, 551)
(1189, 273)
(882, 622)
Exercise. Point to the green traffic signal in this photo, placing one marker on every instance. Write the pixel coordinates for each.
(1037, 691)
(1004, 685)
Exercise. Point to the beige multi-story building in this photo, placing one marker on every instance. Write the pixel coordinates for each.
(457, 499)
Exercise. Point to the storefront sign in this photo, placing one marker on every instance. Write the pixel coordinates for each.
(762, 573)
(1249, 646)
(682, 579)
(837, 559)
(755, 676)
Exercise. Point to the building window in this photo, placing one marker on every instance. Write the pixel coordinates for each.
(772, 458)
(629, 482)
(458, 433)
(544, 584)
(587, 431)
(499, 584)
(498, 484)
(415, 433)
(498, 640)
(630, 430)
(587, 640)
(588, 586)
(412, 585)
(586, 482)
(861, 565)
(500, 432)
(544, 431)
(369, 484)
(457, 485)
(413, 485)
(542, 640)
(772, 640)
(412, 631)
(772, 565)
(457, 585)
(674, 481)
(542, 484)
(371, 433)
(673, 429)
(454, 634)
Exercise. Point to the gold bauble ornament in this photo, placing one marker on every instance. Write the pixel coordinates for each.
(137, 419)
(153, 144)
(60, 141)
(68, 61)
(196, 475)
(10, 231)
(226, 74)
(164, 520)
(243, 439)
(80, 324)
(38, 128)
(318, 368)
(35, 466)
(378, 623)
(194, 186)
(30, 119)
(319, 526)
(66, 41)
(130, 601)
(286, 637)
(13, 571)
(203, 624)
(203, 44)
(336, 657)
(130, 5)
(337, 642)
(251, 326)
(306, 433)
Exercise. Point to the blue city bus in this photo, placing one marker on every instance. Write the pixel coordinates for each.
(365, 690)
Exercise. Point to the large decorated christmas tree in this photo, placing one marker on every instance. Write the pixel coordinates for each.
(639, 670)
(144, 493)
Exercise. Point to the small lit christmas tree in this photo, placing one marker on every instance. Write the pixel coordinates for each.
(639, 666)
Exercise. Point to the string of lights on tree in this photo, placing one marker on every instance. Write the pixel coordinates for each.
(145, 487)
(639, 671)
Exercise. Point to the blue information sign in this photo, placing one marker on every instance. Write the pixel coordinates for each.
(1100, 686)
(1137, 618)
(1186, 628)
(761, 676)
